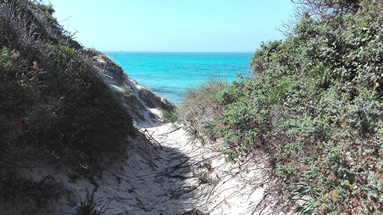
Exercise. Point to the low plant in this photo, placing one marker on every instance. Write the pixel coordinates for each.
(92, 207)
(204, 178)
(208, 165)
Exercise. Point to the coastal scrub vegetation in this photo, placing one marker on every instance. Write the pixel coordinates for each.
(53, 105)
(314, 105)
(195, 110)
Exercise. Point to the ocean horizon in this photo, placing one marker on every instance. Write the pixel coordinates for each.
(170, 74)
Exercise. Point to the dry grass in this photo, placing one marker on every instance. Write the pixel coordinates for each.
(197, 107)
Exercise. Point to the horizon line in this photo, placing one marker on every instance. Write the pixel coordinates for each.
(181, 51)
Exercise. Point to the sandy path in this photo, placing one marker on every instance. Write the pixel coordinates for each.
(171, 174)
(154, 178)
(175, 175)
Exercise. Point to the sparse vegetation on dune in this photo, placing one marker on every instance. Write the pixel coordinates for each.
(315, 105)
(54, 107)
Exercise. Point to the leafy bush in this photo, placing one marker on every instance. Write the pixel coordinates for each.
(315, 106)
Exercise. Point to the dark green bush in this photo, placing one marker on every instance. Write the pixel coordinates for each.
(27, 192)
(53, 105)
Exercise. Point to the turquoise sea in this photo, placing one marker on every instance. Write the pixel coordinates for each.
(171, 74)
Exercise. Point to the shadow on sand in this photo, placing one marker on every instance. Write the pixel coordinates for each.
(149, 179)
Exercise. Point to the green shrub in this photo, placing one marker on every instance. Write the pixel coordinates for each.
(315, 106)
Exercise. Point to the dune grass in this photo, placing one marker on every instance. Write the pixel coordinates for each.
(197, 104)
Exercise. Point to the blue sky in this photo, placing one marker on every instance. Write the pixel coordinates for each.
(173, 25)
